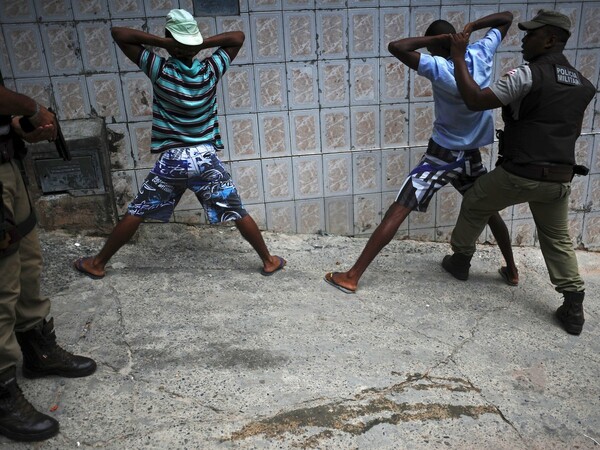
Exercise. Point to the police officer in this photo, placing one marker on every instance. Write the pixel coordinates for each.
(543, 104)
(23, 310)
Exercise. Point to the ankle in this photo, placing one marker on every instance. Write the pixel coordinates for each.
(97, 264)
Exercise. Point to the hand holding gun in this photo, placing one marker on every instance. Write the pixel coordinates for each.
(61, 144)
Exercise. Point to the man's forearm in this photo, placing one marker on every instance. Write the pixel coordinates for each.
(475, 98)
(411, 44)
(467, 86)
(227, 39)
(131, 36)
(12, 103)
(493, 20)
(406, 49)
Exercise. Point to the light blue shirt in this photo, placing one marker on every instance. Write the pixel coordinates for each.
(455, 126)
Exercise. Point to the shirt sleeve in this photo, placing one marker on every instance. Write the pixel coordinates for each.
(491, 41)
(429, 67)
(219, 62)
(151, 64)
(513, 86)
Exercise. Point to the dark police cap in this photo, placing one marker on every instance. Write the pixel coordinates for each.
(547, 17)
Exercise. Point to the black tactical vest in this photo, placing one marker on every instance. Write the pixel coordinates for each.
(550, 115)
(4, 120)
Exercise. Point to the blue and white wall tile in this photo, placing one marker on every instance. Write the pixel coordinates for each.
(321, 124)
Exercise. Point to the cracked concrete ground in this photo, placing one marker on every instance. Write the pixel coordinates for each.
(197, 350)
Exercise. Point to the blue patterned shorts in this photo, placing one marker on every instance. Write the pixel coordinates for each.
(438, 167)
(196, 168)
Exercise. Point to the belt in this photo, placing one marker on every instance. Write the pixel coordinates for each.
(558, 173)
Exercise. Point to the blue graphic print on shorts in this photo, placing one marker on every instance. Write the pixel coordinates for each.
(195, 168)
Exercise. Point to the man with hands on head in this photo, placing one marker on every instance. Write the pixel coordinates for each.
(543, 104)
(453, 152)
(185, 134)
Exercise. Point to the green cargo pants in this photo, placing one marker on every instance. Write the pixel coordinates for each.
(21, 305)
(549, 203)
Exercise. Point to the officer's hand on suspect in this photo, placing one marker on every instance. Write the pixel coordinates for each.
(469, 28)
(458, 44)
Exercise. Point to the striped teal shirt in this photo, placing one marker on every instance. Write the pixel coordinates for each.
(184, 106)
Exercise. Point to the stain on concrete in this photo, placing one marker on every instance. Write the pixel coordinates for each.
(229, 356)
(369, 408)
(531, 378)
(217, 355)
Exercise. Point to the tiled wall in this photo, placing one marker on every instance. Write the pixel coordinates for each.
(321, 123)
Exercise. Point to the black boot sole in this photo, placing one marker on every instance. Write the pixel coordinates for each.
(32, 374)
(571, 328)
(29, 437)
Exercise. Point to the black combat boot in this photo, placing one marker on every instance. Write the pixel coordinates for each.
(570, 313)
(457, 265)
(19, 420)
(42, 356)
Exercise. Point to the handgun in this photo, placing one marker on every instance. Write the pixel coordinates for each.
(59, 142)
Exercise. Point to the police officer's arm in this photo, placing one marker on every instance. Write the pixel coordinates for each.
(230, 41)
(501, 21)
(475, 98)
(406, 49)
(15, 104)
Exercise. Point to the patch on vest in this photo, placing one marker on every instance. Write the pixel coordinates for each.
(565, 75)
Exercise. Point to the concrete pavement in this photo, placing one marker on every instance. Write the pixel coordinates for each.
(197, 350)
